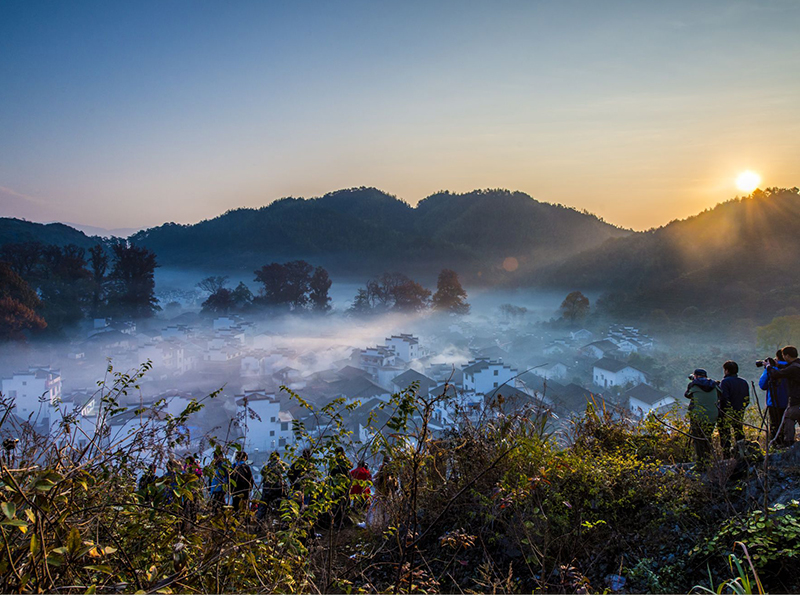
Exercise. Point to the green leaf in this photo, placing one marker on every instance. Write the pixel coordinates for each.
(9, 509)
(74, 541)
(14, 523)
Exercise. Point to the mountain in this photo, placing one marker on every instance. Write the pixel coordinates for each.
(14, 231)
(736, 258)
(91, 230)
(366, 231)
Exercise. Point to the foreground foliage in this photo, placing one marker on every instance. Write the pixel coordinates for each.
(510, 503)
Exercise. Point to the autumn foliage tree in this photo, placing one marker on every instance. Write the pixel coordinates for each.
(18, 305)
(574, 307)
(450, 296)
(391, 292)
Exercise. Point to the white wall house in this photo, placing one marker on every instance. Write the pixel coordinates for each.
(608, 372)
(34, 392)
(642, 399)
(373, 359)
(483, 375)
(554, 370)
(405, 346)
(264, 425)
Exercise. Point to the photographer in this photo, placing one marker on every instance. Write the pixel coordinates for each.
(734, 400)
(704, 395)
(791, 372)
(777, 399)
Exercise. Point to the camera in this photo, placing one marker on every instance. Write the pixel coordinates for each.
(691, 376)
(769, 361)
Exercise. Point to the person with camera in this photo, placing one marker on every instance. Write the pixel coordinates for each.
(777, 398)
(732, 404)
(704, 395)
(791, 372)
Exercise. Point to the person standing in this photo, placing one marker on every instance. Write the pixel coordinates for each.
(273, 486)
(791, 372)
(362, 480)
(703, 394)
(777, 399)
(218, 487)
(242, 477)
(733, 402)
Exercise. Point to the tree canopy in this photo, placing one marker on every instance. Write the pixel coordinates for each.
(450, 296)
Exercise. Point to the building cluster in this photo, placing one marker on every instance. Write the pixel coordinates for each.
(466, 371)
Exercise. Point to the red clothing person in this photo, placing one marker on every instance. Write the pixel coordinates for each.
(360, 474)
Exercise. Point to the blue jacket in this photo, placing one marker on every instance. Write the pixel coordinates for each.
(735, 392)
(781, 397)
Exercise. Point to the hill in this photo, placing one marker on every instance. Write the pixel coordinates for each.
(735, 258)
(15, 231)
(364, 230)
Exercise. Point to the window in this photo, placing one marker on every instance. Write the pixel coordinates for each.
(272, 419)
(495, 372)
(494, 384)
(272, 432)
(284, 426)
(282, 442)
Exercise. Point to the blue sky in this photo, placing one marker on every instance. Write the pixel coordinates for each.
(132, 114)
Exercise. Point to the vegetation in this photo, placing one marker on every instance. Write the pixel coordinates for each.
(509, 504)
(67, 288)
(575, 307)
(450, 296)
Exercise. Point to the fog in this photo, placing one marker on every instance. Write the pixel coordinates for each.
(532, 351)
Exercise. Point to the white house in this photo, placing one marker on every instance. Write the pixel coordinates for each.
(582, 335)
(483, 375)
(599, 349)
(34, 392)
(264, 425)
(608, 372)
(551, 370)
(642, 399)
(405, 346)
(374, 358)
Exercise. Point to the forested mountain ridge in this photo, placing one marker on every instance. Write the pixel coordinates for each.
(18, 231)
(737, 256)
(365, 229)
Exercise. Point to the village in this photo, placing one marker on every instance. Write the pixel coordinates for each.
(471, 368)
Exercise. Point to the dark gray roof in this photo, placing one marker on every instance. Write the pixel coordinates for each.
(646, 394)
(611, 364)
(405, 379)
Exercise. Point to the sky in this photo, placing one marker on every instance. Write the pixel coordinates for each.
(132, 114)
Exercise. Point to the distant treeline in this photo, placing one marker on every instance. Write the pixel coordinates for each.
(50, 288)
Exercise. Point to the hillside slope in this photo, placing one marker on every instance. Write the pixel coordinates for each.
(364, 230)
(736, 256)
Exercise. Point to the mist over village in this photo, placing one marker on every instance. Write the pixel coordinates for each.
(410, 298)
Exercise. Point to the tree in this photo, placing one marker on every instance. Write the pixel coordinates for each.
(99, 266)
(320, 284)
(782, 331)
(23, 258)
(18, 305)
(242, 297)
(290, 284)
(64, 286)
(575, 307)
(221, 301)
(133, 282)
(450, 296)
(392, 291)
(225, 300)
(212, 284)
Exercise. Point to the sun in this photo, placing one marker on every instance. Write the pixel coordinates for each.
(748, 181)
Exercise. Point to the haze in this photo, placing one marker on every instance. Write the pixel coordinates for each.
(130, 115)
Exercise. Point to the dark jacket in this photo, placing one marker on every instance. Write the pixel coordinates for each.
(792, 375)
(777, 393)
(704, 394)
(735, 393)
(242, 476)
